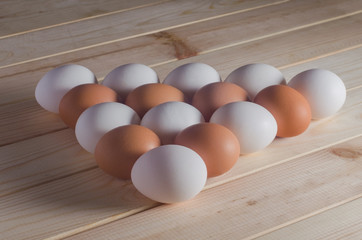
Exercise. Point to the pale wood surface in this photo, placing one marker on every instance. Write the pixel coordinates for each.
(306, 187)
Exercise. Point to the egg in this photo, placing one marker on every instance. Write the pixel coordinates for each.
(170, 118)
(125, 78)
(82, 97)
(169, 174)
(217, 146)
(289, 108)
(57, 82)
(118, 149)
(99, 119)
(191, 77)
(255, 77)
(150, 95)
(214, 95)
(253, 125)
(323, 89)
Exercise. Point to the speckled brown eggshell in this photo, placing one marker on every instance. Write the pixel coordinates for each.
(214, 95)
(289, 108)
(217, 146)
(150, 95)
(82, 97)
(118, 150)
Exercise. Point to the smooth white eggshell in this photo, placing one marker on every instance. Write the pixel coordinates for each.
(255, 77)
(191, 77)
(170, 118)
(57, 82)
(323, 89)
(97, 120)
(253, 125)
(169, 174)
(125, 78)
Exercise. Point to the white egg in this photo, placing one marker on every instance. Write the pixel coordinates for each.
(169, 174)
(191, 77)
(170, 118)
(97, 120)
(323, 89)
(253, 125)
(125, 78)
(255, 77)
(57, 82)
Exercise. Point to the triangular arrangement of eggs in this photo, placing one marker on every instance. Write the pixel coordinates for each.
(169, 137)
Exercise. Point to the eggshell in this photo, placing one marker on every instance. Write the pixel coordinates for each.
(169, 174)
(125, 78)
(170, 118)
(253, 125)
(214, 95)
(323, 89)
(118, 149)
(150, 95)
(99, 119)
(255, 77)
(57, 82)
(217, 146)
(289, 108)
(191, 77)
(82, 97)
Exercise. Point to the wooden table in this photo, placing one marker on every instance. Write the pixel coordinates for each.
(305, 187)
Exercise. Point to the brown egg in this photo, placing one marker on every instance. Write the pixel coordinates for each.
(214, 95)
(82, 97)
(150, 95)
(289, 108)
(217, 146)
(118, 150)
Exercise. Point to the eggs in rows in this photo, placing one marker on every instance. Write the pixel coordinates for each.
(169, 137)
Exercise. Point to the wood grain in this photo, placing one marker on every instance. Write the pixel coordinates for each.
(274, 50)
(17, 16)
(109, 28)
(251, 204)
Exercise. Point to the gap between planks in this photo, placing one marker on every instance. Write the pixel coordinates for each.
(144, 33)
(310, 215)
(83, 19)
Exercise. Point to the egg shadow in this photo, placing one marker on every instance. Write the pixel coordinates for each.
(53, 173)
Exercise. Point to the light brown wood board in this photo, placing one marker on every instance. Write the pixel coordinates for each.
(306, 187)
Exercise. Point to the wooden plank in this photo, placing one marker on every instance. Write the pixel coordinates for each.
(192, 39)
(109, 28)
(293, 46)
(342, 222)
(41, 159)
(20, 16)
(252, 204)
(48, 157)
(266, 50)
(92, 198)
(20, 80)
